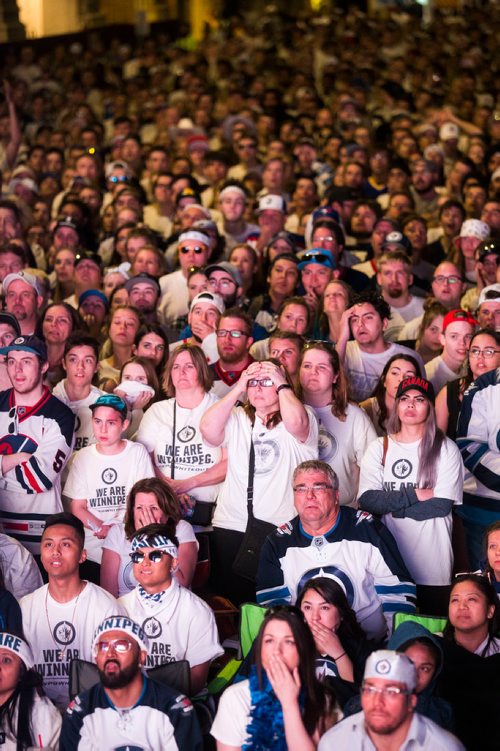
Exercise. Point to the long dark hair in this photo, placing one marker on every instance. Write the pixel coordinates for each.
(319, 699)
(379, 392)
(22, 698)
(488, 592)
(335, 595)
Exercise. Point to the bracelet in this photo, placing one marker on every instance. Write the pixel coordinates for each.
(283, 386)
(340, 656)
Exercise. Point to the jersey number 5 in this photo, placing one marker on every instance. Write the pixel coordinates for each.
(58, 461)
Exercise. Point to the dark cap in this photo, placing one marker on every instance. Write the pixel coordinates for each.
(488, 248)
(88, 256)
(10, 320)
(113, 401)
(31, 344)
(94, 293)
(143, 278)
(396, 239)
(416, 383)
(67, 221)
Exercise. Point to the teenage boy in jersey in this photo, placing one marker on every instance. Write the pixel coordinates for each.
(180, 626)
(59, 619)
(126, 709)
(36, 436)
(81, 363)
(102, 475)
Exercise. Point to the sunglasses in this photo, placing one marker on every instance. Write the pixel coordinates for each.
(197, 249)
(154, 556)
(318, 257)
(120, 646)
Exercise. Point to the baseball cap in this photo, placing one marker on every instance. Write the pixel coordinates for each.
(233, 271)
(232, 189)
(142, 278)
(448, 132)
(31, 344)
(24, 276)
(317, 255)
(94, 293)
(113, 401)
(11, 320)
(208, 298)
(88, 256)
(125, 624)
(17, 646)
(325, 212)
(487, 294)
(272, 202)
(458, 315)
(416, 383)
(398, 239)
(66, 221)
(198, 237)
(391, 666)
(488, 248)
(187, 193)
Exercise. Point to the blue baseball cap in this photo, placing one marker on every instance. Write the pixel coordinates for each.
(31, 344)
(317, 255)
(113, 401)
(94, 293)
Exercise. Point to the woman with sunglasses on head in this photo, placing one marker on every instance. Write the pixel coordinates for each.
(345, 431)
(379, 406)
(273, 432)
(170, 430)
(282, 706)
(413, 477)
(150, 501)
(483, 356)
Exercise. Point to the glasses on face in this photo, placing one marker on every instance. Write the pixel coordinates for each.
(487, 352)
(388, 692)
(197, 249)
(165, 186)
(329, 239)
(221, 333)
(154, 556)
(440, 279)
(118, 179)
(119, 645)
(221, 283)
(317, 487)
(265, 382)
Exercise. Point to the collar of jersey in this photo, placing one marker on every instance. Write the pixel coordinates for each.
(325, 534)
(129, 709)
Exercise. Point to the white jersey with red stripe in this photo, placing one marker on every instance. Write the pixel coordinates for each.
(32, 490)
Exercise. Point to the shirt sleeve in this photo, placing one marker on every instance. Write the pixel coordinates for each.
(271, 589)
(232, 716)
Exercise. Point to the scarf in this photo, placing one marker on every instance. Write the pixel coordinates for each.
(151, 600)
(266, 728)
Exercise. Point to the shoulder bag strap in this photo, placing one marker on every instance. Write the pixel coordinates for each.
(172, 458)
(251, 471)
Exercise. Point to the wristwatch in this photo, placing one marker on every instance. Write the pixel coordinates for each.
(283, 386)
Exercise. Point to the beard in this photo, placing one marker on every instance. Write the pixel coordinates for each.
(120, 679)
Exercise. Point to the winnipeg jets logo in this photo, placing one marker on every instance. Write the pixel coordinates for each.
(109, 475)
(402, 468)
(186, 434)
(64, 632)
(266, 456)
(152, 628)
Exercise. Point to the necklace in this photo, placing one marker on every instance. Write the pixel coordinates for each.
(64, 631)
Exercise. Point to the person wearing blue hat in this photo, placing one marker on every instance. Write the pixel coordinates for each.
(93, 306)
(102, 474)
(317, 267)
(36, 432)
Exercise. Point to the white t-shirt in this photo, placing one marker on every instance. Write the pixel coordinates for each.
(61, 631)
(174, 301)
(439, 374)
(84, 434)
(118, 543)
(192, 454)
(181, 627)
(424, 545)
(342, 445)
(105, 481)
(364, 369)
(410, 330)
(277, 453)
(400, 316)
(45, 725)
(233, 715)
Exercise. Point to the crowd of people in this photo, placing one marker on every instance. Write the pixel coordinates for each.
(250, 353)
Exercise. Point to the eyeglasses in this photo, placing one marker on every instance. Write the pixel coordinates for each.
(221, 333)
(222, 283)
(166, 186)
(487, 352)
(120, 646)
(154, 556)
(318, 487)
(390, 692)
(265, 382)
(440, 279)
(329, 239)
(118, 179)
(197, 249)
